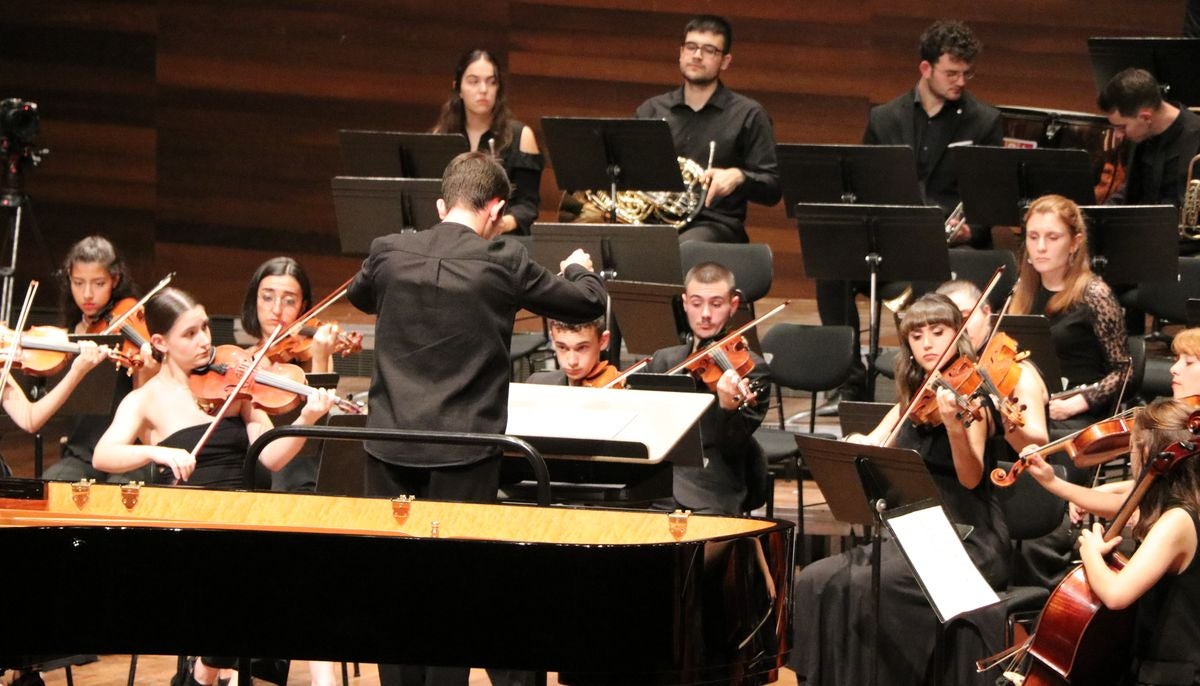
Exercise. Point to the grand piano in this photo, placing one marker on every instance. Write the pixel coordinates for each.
(600, 596)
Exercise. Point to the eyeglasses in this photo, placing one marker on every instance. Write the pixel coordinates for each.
(953, 74)
(708, 50)
(288, 301)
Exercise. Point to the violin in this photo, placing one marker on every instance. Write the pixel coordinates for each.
(711, 363)
(132, 328)
(963, 380)
(1088, 447)
(44, 350)
(297, 346)
(275, 387)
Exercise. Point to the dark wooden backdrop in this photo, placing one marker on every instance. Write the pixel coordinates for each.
(200, 134)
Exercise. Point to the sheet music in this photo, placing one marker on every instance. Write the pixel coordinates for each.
(936, 556)
(601, 424)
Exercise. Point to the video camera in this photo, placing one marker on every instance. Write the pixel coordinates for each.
(18, 128)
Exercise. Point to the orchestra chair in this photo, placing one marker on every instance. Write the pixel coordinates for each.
(1166, 301)
(753, 267)
(527, 347)
(804, 358)
(1030, 512)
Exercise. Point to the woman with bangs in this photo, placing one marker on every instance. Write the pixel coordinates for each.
(834, 617)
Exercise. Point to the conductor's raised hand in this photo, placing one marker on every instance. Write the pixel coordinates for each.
(578, 257)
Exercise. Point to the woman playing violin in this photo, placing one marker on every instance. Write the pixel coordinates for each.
(833, 595)
(1086, 323)
(279, 292)
(165, 416)
(93, 279)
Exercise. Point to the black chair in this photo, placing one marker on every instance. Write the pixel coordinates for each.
(1030, 512)
(752, 265)
(1166, 301)
(804, 358)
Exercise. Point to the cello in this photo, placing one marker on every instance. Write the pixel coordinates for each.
(1078, 640)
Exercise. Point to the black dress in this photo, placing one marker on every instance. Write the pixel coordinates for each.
(219, 464)
(835, 617)
(1167, 633)
(524, 172)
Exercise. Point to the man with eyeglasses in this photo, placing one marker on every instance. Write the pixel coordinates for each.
(701, 111)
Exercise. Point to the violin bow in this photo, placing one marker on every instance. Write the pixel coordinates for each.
(233, 394)
(316, 309)
(115, 325)
(15, 349)
(634, 368)
(951, 349)
(728, 338)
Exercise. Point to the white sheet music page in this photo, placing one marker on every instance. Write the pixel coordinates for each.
(936, 555)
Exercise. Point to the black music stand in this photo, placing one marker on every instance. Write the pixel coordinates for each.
(369, 207)
(857, 417)
(398, 154)
(1032, 333)
(1133, 244)
(874, 174)
(648, 253)
(863, 482)
(997, 184)
(1193, 312)
(617, 154)
(1172, 61)
(873, 242)
(651, 315)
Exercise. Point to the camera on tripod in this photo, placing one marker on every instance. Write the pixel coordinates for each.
(18, 129)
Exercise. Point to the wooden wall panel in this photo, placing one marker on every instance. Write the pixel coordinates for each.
(202, 133)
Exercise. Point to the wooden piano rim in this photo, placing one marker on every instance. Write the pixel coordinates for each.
(180, 508)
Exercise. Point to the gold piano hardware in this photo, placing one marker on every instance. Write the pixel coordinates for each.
(1189, 212)
(435, 528)
(80, 492)
(677, 523)
(401, 506)
(130, 493)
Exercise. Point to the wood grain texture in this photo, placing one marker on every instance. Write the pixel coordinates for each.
(177, 126)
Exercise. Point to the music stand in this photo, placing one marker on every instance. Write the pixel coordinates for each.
(873, 242)
(1193, 312)
(861, 483)
(617, 154)
(1133, 243)
(855, 417)
(651, 314)
(997, 184)
(648, 253)
(398, 154)
(874, 174)
(369, 207)
(1172, 61)
(1032, 332)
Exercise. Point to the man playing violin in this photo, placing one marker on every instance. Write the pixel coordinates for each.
(732, 460)
(578, 349)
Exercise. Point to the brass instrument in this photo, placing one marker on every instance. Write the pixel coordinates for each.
(1189, 212)
(674, 208)
(953, 222)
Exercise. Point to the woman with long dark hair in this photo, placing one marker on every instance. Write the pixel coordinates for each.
(477, 110)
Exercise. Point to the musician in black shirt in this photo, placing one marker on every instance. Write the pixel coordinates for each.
(701, 111)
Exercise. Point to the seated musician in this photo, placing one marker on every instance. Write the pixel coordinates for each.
(279, 292)
(579, 350)
(702, 112)
(94, 277)
(1056, 280)
(477, 110)
(1161, 580)
(833, 607)
(733, 463)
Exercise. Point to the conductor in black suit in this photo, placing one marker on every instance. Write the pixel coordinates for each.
(934, 116)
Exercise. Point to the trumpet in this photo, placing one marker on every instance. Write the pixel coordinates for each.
(953, 222)
(1189, 211)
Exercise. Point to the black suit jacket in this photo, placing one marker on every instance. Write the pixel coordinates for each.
(975, 121)
(446, 299)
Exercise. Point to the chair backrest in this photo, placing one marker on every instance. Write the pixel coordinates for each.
(1168, 299)
(978, 266)
(1030, 510)
(752, 264)
(810, 358)
(343, 463)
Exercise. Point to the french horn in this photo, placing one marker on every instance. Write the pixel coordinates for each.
(674, 208)
(1189, 212)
